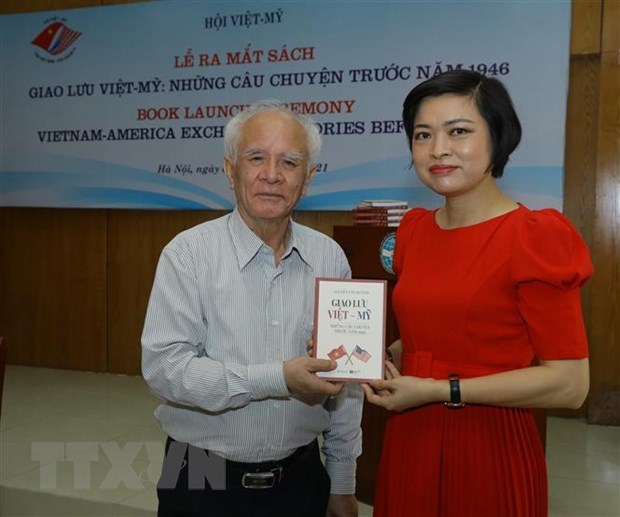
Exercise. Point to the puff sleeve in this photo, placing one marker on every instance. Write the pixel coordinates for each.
(550, 264)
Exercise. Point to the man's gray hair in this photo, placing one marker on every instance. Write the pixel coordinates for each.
(234, 125)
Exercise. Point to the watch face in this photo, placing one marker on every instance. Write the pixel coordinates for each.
(386, 252)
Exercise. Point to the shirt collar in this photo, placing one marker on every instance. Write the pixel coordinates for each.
(247, 244)
(297, 244)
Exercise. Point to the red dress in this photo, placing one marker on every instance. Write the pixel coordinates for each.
(478, 300)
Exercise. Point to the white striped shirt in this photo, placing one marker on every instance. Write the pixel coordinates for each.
(221, 320)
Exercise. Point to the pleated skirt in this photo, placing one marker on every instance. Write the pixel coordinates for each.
(477, 461)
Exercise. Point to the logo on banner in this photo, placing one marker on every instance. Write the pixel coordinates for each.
(386, 252)
(56, 41)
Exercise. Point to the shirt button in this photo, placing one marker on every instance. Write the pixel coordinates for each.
(274, 323)
(276, 404)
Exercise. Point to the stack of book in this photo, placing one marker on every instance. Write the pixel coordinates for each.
(379, 212)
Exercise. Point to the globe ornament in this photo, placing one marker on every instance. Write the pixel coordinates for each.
(386, 252)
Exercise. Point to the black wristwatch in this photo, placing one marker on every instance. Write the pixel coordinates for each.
(455, 392)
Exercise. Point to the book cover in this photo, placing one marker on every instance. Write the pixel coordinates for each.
(349, 327)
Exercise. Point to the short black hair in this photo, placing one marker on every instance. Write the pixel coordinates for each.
(492, 100)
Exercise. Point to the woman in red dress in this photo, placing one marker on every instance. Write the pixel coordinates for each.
(485, 285)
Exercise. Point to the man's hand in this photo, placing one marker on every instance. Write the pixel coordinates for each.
(341, 506)
(302, 382)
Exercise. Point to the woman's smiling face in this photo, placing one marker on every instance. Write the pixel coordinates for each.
(451, 145)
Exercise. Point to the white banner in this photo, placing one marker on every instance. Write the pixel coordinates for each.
(124, 106)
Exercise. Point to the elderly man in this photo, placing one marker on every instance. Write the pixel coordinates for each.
(224, 342)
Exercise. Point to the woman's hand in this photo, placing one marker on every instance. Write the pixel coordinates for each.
(398, 393)
(392, 363)
(394, 353)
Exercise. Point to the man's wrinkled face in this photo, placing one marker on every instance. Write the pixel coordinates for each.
(270, 172)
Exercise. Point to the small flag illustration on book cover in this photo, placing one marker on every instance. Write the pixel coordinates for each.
(361, 354)
(337, 353)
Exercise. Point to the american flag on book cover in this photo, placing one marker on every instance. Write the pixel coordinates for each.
(361, 354)
(337, 353)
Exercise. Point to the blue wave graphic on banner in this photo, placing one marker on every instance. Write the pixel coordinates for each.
(89, 183)
(348, 199)
(536, 187)
(131, 198)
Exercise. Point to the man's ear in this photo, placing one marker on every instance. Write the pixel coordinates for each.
(308, 179)
(228, 170)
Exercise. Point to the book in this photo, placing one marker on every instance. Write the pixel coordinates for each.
(377, 217)
(370, 220)
(393, 224)
(384, 216)
(349, 327)
(379, 210)
(383, 203)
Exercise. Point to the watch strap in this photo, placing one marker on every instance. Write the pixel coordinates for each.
(455, 392)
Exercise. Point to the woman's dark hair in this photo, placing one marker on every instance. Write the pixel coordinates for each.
(493, 103)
